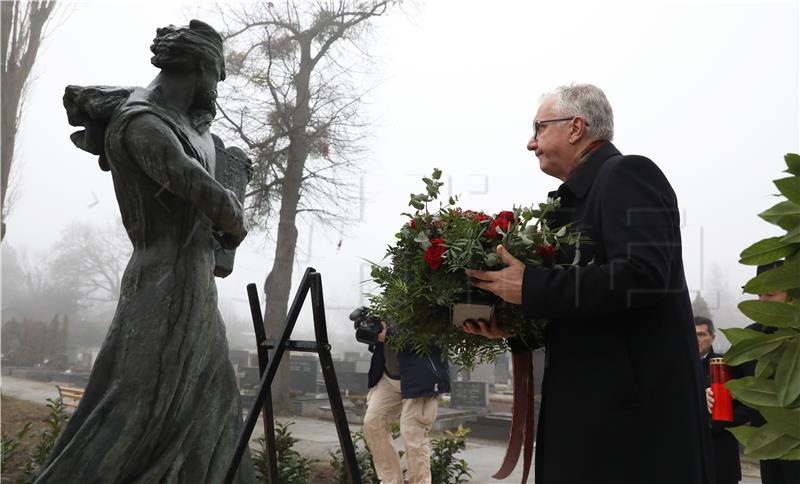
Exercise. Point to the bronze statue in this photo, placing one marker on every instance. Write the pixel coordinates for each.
(162, 403)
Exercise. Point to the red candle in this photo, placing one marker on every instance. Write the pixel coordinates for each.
(723, 402)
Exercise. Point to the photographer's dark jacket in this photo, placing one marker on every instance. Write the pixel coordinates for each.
(420, 376)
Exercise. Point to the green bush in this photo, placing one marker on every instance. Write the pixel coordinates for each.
(445, 467)
(9, 448)
(775, 388)
(46, 438)
(292, 467)
(366, 466)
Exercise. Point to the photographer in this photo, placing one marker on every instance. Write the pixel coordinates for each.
(406, 384)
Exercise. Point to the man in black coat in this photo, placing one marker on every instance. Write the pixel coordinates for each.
(727, 465)
(622, 394)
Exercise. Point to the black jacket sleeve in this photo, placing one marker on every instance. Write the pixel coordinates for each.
(637, 229)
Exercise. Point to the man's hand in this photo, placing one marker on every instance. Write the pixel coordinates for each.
(481, 328)
(382, 334)
(709, 399)
(506, 283)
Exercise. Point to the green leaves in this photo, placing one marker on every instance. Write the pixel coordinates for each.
(775, 388)
(753, 391)
(417, 297)
(735, 335)
(776, 280)
(432, 186)
(786, 419)
(789, 188)
(752, 348)
(792, 163)
(786, 215)
(767, 442)
(771, 313)
(787, 374)
(766, 251)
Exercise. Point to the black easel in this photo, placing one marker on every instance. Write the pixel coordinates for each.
(311, 281)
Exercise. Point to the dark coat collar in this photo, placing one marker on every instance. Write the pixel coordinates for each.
(581, 179)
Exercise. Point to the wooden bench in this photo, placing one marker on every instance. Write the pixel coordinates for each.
(70, 396)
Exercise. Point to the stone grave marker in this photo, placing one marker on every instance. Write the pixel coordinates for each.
(469, 394)
(355, 383)
(250, 377)
(303, 374)
(240, 358)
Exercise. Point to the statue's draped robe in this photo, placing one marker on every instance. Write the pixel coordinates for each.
(162, 404)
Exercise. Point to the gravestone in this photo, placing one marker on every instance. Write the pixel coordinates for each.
(502, 375)
(303, 374)
(240, 358)
(344, 366)
(469, 394)
(482, 372)
(352, 382)
(362, 366)
(250, 377)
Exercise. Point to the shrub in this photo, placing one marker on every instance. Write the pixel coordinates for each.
(292, 467)
(445, 467)
(774, 390)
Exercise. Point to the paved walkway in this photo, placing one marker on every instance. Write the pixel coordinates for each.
(318, 437)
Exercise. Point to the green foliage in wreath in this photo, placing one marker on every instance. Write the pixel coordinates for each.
(426, 275)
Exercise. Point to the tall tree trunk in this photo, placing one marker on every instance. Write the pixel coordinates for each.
(21, 29)
(279, 281)
(277, 287)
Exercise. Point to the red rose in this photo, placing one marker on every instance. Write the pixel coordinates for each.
(501, 223)
(505, 216)
(479, 216)
(433, 256)
(413, 224)
(546, 251)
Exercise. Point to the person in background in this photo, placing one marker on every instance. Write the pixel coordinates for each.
(406, 384)
(726, 447)
(773, 471)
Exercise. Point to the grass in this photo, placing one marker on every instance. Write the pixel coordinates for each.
(15, 413)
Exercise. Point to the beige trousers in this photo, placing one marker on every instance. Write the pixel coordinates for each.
(417, 415)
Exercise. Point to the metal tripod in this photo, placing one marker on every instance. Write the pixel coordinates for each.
(312, 281)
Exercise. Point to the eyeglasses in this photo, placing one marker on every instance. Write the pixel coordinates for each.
(545, 121)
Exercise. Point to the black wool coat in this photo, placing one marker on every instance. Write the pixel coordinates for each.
(622, 397)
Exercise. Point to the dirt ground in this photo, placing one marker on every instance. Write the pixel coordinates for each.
(13, 415)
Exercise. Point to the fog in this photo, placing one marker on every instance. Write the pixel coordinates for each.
(709, 90)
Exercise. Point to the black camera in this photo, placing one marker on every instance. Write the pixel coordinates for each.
(367, 327)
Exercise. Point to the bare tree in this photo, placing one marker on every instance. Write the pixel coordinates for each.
(91, 260)
(22, 29)
(293, 101)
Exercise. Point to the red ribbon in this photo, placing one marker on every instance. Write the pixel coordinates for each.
(522, 421)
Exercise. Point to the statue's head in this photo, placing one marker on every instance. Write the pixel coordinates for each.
(194, 48)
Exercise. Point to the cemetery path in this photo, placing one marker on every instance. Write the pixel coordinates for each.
(28, 390)
(317, 437)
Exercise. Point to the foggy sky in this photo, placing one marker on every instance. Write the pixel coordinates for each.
(709, 90)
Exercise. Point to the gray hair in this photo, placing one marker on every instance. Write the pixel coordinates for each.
(588, 101)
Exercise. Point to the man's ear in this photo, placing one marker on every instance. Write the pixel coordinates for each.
(577, 129)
